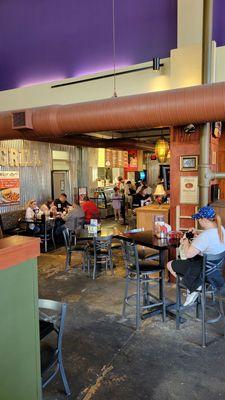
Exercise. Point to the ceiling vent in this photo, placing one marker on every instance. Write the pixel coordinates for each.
(22, 119)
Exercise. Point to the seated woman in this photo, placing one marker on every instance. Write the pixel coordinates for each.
(90, 209)
(210, 241)
(31, 214)
(49, 208)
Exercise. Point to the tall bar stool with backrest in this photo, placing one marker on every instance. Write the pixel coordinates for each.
(73, 247)
(211, 264)
(52, 319)
(102, 253)
(141, 272)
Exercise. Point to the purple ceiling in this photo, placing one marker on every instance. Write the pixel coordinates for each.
(46, 40)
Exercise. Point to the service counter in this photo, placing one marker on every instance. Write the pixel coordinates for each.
(146, 215)
(20, 376)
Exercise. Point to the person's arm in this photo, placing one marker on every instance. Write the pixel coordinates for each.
(189, 250)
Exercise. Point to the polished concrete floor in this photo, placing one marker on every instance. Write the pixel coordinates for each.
(105, 359)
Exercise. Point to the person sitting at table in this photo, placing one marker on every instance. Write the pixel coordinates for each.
(49, 208)
(74, 219)
(61, 203)
(90, 209)
(31, 214)
(141, 197)
(210, 241)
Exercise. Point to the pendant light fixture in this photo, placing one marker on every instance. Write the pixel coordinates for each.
(161, 149)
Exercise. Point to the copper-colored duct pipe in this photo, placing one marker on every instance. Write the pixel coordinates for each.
(195, 104)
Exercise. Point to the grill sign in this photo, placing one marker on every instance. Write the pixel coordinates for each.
(19, 158)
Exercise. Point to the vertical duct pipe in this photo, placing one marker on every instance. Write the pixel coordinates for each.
(206, 78)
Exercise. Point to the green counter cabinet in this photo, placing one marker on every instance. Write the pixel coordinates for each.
(20, 376)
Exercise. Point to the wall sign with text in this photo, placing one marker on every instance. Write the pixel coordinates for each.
(189, 193)
(9, 187)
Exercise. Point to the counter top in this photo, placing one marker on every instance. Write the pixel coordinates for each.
(153, 207)
(17, 249)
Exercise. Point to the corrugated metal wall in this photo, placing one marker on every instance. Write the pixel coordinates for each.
(36, 181)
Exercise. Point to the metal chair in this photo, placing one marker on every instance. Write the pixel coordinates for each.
(72, 247)
(52, 315)
(102, 253)
(47, 233)
(141, 273)
(210, 264)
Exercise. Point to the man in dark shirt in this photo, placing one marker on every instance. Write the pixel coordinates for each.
(61, 203)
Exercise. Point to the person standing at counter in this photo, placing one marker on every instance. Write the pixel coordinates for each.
(116, 203)
(90, 209)
(61, 203)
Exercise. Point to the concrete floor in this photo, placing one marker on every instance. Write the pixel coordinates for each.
(105, 359)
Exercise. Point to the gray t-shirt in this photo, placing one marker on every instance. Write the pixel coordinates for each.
(209, 242)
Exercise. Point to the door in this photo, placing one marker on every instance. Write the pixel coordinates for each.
(60, 184)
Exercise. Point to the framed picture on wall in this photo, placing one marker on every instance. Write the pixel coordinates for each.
(188, 163)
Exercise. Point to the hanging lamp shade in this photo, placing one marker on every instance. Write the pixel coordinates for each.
(161, 149)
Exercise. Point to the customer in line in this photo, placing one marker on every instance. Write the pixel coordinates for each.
(90, 209)
(210, 241)
(31, 214)
(116, 203)
(61, 203)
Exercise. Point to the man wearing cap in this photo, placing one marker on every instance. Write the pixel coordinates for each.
(210, 241)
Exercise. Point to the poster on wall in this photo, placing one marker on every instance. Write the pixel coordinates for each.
(82, 192)
(9, 187)
(189, 193)
(132, 160)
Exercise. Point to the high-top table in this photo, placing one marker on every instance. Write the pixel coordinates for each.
(20, 375)
(148, 239)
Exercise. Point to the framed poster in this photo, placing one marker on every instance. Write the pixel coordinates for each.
(9, 187)
(82, 192)
(188, 163)
(189, 193)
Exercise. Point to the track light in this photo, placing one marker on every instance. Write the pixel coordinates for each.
(156, 64)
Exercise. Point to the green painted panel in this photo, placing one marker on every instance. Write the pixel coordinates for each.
(19, 333)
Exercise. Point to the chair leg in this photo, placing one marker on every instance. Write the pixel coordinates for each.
(203, 305)
(68, 259)
(63, 375)
(138, 305)
(162, 282)
(222, 311)
(94, 269)
(178, 303)
(125, 297)
(53, 239)
(111, 262)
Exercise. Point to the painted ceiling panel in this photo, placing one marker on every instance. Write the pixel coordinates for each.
(46, 40)
(43, 40)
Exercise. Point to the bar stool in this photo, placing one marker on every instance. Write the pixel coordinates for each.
(211, 263)
(141, 272)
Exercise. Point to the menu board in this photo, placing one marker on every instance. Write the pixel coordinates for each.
(9, 187)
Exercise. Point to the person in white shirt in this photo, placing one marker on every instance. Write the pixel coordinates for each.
(31, 212)
(210, 241)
